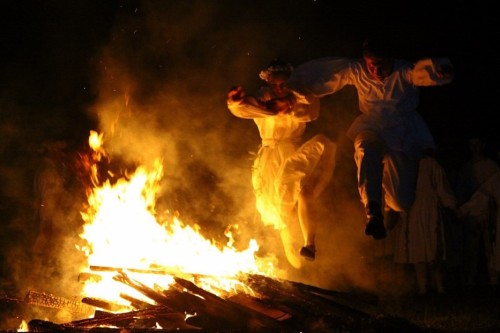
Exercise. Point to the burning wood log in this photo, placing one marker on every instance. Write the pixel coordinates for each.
(113, 319)
(37, 325)
(103, 304)
(132, 270)
(142, 288)
(89, 277)
(56, 302)
(136, 320)
(162, 271)
(306, 299)
(257, 304)
(281, 306)
(9, 299)
(136, 303)
(211, 310)
(361, 302)
(175, 322)
(234, 314)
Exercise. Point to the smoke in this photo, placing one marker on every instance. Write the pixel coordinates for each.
(161, 85)
(156, 87)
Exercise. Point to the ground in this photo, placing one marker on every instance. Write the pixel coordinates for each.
(474, 310)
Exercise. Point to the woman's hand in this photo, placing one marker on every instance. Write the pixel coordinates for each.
(279, 105)
(236, 94)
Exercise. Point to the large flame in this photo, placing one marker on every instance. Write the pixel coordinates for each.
(123, 231)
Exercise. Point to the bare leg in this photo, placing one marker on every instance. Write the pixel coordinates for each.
(308, 224)
(290, 237)
(318, 169)
(306, 205)
(307, 221)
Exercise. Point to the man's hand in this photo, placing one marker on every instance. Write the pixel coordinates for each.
(444, 70)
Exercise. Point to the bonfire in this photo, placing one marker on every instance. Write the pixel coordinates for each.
(147, 270)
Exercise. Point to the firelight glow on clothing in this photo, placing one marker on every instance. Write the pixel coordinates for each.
(389, 129)
(284, 163)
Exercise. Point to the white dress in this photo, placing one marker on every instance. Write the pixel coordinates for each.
(284, 163)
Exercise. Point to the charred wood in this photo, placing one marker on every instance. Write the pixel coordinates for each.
(234, 314)
(103, 304)
(132, 270)
(299, 298)
(89, 277)
(158, 297)
(37, 325)
(114, 319)
(136, 303)
(210, 309)
(257, 304)
(7, 299)
(56, 302)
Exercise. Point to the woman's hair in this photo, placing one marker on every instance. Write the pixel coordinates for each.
(277, 66)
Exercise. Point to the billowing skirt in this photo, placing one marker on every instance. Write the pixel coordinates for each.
(281, 170)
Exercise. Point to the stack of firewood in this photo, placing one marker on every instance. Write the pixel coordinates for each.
(275, 306)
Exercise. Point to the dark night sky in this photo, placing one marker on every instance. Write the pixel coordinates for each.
(50, 50)
(66, 65)
(153, 75)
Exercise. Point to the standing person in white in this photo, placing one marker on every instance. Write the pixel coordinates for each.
(389, 135)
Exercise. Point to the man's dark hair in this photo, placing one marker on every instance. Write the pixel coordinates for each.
(280, 65)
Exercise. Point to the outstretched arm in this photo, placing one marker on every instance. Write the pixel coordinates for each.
(321, 77)
(432, 72)
(246, 106)
(305, 108)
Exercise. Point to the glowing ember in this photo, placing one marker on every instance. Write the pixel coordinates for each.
(122, 230)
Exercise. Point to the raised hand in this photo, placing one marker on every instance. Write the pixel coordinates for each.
(236, 94)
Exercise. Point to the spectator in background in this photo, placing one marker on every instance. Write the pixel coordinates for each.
(489, 191)
(59, 199)
(420, 234)
(477, 210)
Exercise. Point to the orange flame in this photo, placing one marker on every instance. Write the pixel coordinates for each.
(23, 327)
(122, 230)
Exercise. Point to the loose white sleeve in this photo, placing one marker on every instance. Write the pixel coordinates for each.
(320, 77)
(306, 108)
(247, 111)
(426, 72)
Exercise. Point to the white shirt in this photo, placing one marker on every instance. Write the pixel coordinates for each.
(387, 107)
